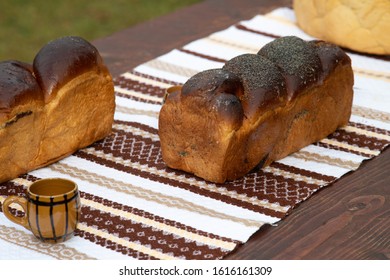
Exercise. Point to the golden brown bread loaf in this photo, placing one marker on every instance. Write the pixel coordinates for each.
(257, 109)
(62, 102)
(355, 24)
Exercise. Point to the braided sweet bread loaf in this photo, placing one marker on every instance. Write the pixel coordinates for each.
(256, 109)
(361, 26)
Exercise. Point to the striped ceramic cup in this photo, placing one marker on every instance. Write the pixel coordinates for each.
(52, 209)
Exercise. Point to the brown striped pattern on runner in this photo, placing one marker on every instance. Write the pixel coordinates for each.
(134, 206)
(126, 149)
(58, 251)
(142, 90)
(168, 240)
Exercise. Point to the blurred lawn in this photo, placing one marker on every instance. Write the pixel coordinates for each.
(26, 25)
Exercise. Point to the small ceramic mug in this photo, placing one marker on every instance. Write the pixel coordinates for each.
(51, 207)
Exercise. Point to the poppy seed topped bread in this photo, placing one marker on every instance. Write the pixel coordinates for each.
(257, 109)
(64, 101)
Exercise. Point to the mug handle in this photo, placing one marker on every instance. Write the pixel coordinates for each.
(23, 221)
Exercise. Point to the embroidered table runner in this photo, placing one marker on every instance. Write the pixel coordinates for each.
(135, 207)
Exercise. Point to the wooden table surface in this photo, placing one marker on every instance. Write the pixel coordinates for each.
(349, 219)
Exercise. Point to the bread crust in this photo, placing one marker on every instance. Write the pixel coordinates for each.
(361, 26)
(64, 101)
(261, 122)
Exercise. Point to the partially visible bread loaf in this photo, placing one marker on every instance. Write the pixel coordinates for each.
(62, 102)
(355, 24)
(257, 109)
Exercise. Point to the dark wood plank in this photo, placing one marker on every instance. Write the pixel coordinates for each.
(128, 48)
(348, 220)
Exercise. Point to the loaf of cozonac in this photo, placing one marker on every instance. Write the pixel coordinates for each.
(49, 109)
(256, 109)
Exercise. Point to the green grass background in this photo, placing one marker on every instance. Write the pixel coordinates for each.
(25, 26)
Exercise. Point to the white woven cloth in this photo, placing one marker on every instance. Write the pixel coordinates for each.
(134, 207)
